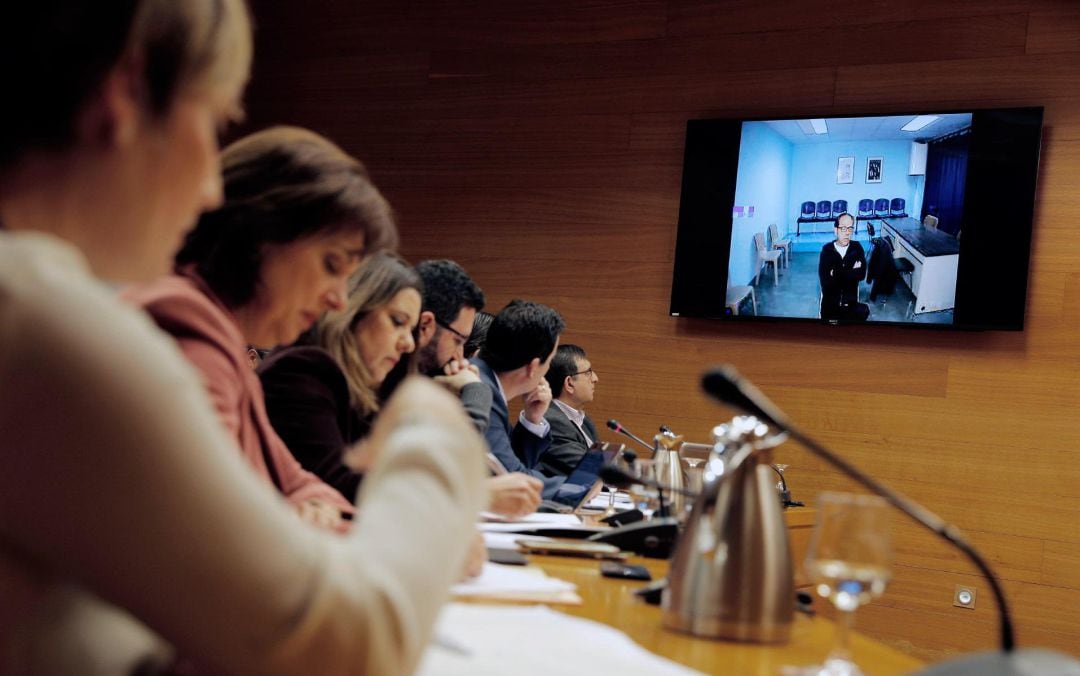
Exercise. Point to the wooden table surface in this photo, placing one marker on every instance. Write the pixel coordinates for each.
(612, 602)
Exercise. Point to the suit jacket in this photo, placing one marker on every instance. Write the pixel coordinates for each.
(510, 445)
(184, 307)
(568, 444)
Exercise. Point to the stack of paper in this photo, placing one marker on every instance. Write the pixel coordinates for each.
(517, 583)
(533, 641)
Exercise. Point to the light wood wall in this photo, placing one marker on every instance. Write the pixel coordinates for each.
(540, 144)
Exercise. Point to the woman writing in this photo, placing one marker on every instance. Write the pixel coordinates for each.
(129, 525)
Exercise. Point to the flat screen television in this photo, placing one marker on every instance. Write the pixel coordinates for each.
(934, 208)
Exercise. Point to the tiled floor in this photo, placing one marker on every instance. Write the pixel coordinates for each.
(798, 294)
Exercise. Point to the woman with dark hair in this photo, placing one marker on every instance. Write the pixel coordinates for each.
(123, 503)
(322, 396)
(298, 217)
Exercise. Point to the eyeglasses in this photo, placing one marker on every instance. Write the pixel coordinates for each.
(846, 228)
(588, 371)
(463, 338)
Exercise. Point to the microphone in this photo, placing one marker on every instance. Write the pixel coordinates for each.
(614, 424)
(725, 384)
(613, 475)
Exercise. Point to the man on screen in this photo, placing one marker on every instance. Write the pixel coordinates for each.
(841, 266)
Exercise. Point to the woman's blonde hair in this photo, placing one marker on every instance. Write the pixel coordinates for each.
(62, 51)
(372, 286)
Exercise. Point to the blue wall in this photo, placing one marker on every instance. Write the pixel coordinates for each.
(813, 170)
(763, 183)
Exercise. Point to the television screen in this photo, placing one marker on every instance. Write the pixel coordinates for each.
(919, 218)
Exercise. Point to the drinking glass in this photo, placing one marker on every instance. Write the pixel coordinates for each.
(848, 561)
(646, 498)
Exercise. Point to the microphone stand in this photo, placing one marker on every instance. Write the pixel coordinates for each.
(727, 385)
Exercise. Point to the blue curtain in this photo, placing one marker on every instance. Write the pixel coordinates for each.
(946, 173)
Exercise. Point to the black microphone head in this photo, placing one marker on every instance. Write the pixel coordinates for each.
(614, 424)
(724, 383)
(615, 476)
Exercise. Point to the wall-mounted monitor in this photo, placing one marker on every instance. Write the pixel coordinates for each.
(919, 218)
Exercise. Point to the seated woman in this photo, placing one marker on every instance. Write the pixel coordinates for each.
(321, 396)
(298, 217)
(124, 505)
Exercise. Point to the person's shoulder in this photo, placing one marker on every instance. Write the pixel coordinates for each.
(827, 247)
(301, 360)
(180, 306)
(53, 309)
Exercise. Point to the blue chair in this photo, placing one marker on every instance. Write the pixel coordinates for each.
(866, 208)
(896, 208)
(824, 209)
(881, 207)
(839, 207)
(807, 210)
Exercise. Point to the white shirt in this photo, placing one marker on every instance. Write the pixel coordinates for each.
(577, 417)
(842, 250)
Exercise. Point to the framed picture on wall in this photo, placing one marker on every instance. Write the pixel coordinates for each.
(873, 169)
(845, 170)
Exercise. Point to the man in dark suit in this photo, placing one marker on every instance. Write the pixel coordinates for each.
(520, 345)
(841, 266)
(573, 385)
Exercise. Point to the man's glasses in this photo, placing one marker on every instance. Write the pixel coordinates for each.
(846, 228)
(588, 371)
(462, 338)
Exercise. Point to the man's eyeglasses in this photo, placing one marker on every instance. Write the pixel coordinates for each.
(463, 338)
(588, 371)
(846, 228)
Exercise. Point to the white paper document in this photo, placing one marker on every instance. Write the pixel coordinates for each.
(498, 580)
(478, 640)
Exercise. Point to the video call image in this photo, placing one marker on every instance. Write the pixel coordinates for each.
(849, 219)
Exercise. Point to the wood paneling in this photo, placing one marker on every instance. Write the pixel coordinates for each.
(540, 144)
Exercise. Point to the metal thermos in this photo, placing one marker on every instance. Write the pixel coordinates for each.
(731, 576)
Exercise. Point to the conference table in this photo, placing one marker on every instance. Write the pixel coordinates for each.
(612, 602)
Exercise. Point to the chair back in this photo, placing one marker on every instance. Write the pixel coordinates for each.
(824, 209)
(930, 222)
(881, 207)
(808, 209)
(759, 242)
(896, 208)
(866, 207)
(839, 207)
(774, 233)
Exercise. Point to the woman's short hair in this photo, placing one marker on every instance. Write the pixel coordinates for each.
(281, 185)
(372, 286)
(59, 53)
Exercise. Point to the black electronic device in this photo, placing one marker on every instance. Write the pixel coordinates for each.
(624, 571)
(654, 539)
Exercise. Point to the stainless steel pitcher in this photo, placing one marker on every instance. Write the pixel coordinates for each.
(731, 576)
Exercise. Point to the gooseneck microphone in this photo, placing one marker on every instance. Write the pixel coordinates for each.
(614, 424)
(725, 383)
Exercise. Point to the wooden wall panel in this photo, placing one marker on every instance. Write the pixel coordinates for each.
(540, 144)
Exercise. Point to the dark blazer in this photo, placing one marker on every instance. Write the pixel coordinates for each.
(568, 444)
(510, 445)
(840, 278)
(307, 400)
